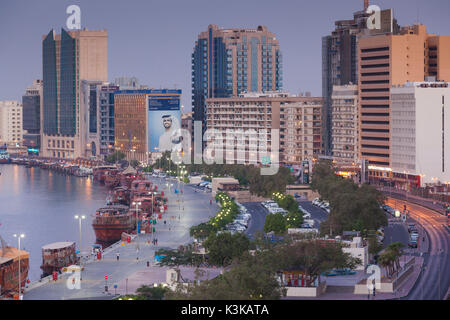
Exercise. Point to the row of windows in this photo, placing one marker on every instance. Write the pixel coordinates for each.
(61, 144)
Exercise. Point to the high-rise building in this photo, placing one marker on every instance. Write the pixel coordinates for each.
(145, 120)
(10, 123)
(298, 120)
(105, 113)
(420, 152)
(340, 56)
(390, 60)
(89, 99)
(345, 125)
(69, 58)
(31, 103)
(227, 62)
(187, 123)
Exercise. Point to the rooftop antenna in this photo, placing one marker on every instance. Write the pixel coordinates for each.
(418, 13)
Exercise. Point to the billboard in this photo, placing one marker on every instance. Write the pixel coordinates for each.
(164, 120)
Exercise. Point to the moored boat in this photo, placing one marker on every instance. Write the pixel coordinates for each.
(110, 222)
(58, 255)
(99, 173)
(9, 270)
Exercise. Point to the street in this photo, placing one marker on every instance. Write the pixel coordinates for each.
(435, 280)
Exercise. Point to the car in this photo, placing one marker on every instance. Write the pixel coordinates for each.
(306, 215)
(412, 243)
(411, 227)
(414, 237)
(277, 210)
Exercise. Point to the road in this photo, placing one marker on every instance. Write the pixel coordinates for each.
(259, 214)
(435, 280)
(317, 214)
(184, 211)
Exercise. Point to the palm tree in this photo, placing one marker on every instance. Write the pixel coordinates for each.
(397, 250)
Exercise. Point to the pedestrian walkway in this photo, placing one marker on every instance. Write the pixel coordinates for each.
(108, 272)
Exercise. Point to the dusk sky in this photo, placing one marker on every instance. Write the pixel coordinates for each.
(153, 40)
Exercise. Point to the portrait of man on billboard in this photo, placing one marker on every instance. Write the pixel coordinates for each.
(171, 137)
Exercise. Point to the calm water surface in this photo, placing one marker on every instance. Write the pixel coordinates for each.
(42, 204)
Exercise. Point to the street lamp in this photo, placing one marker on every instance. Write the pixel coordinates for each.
(19, 236)
(137, 215)
(81, 217)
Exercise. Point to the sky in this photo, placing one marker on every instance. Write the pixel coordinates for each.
(154, 40)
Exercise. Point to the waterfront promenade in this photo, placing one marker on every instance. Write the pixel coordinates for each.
(190, 209)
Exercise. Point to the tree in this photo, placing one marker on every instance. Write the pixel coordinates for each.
(352, 207)
(313, 257)
(152, 293)
(134, 163)
(294, 219)
(249, 279)
(275, 222)
(224, 247)
(115, 157)
(390, 258)
(374, 245)
(253, 276)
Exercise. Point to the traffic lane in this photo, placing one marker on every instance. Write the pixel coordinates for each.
(437, 266)
(258, 213)
(425, 202)
(396, 232)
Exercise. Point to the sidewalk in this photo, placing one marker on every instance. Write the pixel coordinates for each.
(194, 208)
(401, 292)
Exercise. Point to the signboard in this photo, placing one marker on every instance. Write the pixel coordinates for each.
(164, 120)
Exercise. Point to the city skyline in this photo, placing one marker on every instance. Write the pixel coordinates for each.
(168, 63)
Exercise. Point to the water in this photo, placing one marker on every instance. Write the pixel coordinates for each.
(42, 205)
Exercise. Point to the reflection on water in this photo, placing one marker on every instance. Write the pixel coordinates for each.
(42, 204)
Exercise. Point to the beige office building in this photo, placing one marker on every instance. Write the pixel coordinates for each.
(297, 118)
(386, 61)
(10, 123)
(421, 133)
(68, 59)
(345, 125)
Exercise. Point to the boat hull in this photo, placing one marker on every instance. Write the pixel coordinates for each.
(111, 233)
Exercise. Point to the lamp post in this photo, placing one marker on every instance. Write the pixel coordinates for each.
(136, 203)
(19, 236)
(81, 217)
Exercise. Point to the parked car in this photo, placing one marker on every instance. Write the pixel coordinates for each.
(306, 215)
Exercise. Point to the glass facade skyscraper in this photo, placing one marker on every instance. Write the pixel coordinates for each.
(227, 62)
(68, 59)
